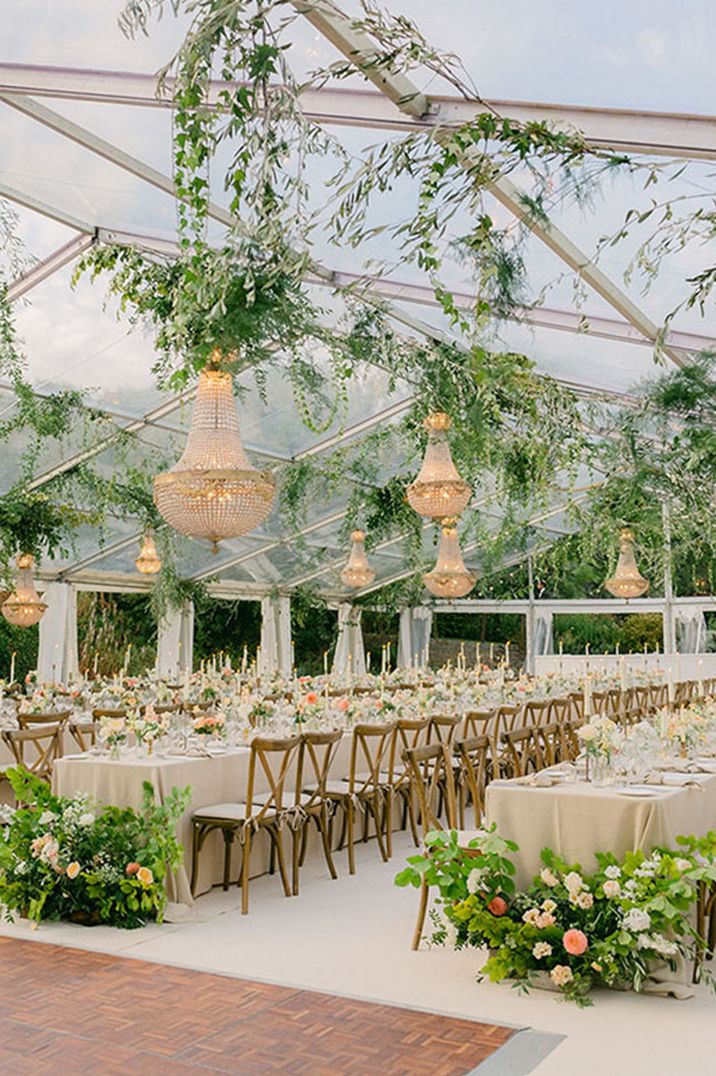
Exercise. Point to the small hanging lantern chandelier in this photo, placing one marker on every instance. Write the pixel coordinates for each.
(449, 578)
(357, 572)
(213, 491)
(627, 582)
(148, 562)
(438, 491)
(24, 607)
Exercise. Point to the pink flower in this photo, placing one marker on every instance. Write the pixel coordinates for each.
(132, 868)
(497, 906)
(311, 698)
(343, 704)
(575, 942)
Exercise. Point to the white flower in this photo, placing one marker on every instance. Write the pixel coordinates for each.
(682, 864)
(585, 900)
(531, 916)
(663, 946)
(474, 880)
(46, 818)
(587, 733)
(86, 819)
(6, 813)
(612, 888)
(548, 905)
(541, 949)
(561, 975)
(636, 919)
(21, 868)
(549, 877)
(613, 871)
(573, 882)
(450, 934)
(630, 887)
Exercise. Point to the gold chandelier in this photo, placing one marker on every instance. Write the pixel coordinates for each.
(24, 607)
(213, 491)
(148, 562)
(438, 491)
(627, 581)
(449, 578)
(357, 572)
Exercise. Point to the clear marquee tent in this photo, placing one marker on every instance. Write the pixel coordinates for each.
(87, 158)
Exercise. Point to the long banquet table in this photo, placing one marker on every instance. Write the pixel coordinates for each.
(220, 778)
(577, 819)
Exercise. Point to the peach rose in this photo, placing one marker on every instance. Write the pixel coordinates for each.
(73, 869)
(132, 868)
(145, 876)
(497, 906)
(343, 704)
(311, 698)
(575, 942)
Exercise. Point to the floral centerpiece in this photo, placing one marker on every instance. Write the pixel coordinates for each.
(113, 732)
(149, 726)
(686, 728)
(601, 737)
(569, 930)
(209, 724)
(69, 859)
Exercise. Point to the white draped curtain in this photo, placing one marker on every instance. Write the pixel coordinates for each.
(349, 651)
(690, 625)
(175, 642)
(416, 625)
(542, 639)
(276, 654)
(57, 656)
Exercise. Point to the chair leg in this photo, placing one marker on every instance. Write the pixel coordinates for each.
(324, 829)
(245, 873)
(281, 861)
(344, 830)
(376, 812)
(349, 811)
(304, 845)
(422, 910)
(194, 857)
(387, 823)
(366, 821)
(228, 835)
(298, 840)
(272, 859)
(411, 817)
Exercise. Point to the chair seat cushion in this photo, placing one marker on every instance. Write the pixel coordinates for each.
(228, 812)
(289, 798)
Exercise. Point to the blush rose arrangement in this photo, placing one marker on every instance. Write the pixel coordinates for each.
(67, 858)
(568, 931)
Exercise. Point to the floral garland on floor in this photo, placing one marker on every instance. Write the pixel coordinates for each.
(569, 930)
(64, 858)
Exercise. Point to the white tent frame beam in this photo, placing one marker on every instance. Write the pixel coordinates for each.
(358, 47)
(671, 134)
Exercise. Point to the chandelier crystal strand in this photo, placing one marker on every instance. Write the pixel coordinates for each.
(24, 607)
(357, 572)
(438, 491)
(213, 491)
(148, 562)
(627, 581)
(449, 578)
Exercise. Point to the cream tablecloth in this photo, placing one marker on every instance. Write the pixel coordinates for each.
(219, 779)
(576, 820)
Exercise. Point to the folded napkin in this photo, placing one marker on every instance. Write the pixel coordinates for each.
(543, 779)
(686, 766)
(671, 780)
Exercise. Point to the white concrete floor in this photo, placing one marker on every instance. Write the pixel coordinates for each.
(352, 937)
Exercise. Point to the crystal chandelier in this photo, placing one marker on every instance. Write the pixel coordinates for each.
(148, 562)
(213, 491)
(357, 572)
(449, 578)
(627, 581)
(438, 491)
(24, 607)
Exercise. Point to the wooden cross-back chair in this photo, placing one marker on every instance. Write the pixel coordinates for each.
(84, 733)
(443, 729)
(507, 717)
(102, 711)
(33, 718)
(409, 732)
(366, 787)
(560, 711)
(270, 761)
(315, 760)
(431, 770)
(35, 749)
(536, 712)
(163, 708)
(475, 755)
(524, 750)
(576, 699)
(639, 698)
